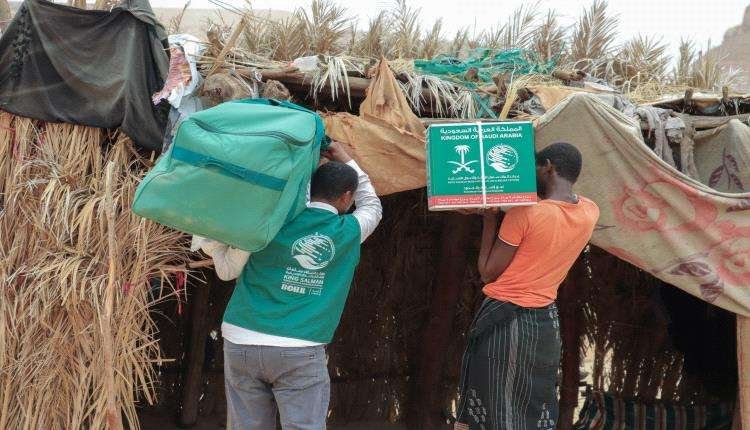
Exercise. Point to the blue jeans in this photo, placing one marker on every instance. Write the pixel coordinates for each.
(260, 380)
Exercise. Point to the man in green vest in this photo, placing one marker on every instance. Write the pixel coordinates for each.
(289, 299)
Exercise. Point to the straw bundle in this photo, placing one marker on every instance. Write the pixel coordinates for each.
(654, 90)
(55, 268)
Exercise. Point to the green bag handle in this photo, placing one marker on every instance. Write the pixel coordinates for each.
(228, 169)
(320, 136)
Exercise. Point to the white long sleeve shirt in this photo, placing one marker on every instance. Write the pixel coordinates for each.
(229, 262)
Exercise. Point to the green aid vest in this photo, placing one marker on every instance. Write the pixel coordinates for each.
(297, 286)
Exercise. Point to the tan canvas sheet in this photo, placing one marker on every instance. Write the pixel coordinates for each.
(549, 95)
(653, 216)
(386, 139)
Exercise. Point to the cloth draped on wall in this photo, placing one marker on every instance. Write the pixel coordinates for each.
(89, 67)
(678, 229)
(721, 157)
(386, 139)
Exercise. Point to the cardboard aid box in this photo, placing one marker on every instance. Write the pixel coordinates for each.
(472, 165)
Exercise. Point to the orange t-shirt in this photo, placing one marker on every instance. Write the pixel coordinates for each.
(550, 236)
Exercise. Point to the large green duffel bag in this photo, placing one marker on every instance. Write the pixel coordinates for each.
(235, 173)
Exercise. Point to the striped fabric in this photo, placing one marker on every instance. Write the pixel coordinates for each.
(509, 370)
(603, 411)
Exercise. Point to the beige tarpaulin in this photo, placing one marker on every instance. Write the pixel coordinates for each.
(550, 95)
(386, 139)
(653, 216)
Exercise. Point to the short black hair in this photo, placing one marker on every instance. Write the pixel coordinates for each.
(333, 179)
(565, 157)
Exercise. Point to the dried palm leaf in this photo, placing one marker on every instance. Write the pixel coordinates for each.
(643, 59)
(258, 36)
(401, 66)
(549, 38)
(519, 31)
(333, 75)
(494, 37)
(287, 39)
(465, 105)
(54, 273)
(433, 41)
(324, 27)
(709, 73)
(373, 43)
(650, 91)
(352, 43)
(594, 33)
(442, 93)
(174, 24)
(405, 35)
(460, 42)
(684, 62)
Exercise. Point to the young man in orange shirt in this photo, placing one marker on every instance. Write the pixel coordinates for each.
(509, 370)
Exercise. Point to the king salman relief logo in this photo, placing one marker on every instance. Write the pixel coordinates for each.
(502, 158)
(314, 251)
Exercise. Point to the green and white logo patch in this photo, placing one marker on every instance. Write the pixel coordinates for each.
(502, 158)
(314, 251)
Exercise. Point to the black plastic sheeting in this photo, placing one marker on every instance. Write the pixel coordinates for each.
(89, 67)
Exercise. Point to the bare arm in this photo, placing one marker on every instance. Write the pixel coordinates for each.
(494, 255)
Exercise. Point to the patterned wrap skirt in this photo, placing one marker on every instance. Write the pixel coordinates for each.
(509, 369)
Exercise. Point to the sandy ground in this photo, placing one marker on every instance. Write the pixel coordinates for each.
(155, 421)
(165, 423)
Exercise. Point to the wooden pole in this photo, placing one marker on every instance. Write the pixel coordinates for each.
(184, 268)
(431, 121)
(725, 100)
(570, 332)
(426, 411)
(294, 79)
(219, 62)
(114, 419)
(700, 122)
(687, 101)
(196, 356)
(743, 371)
